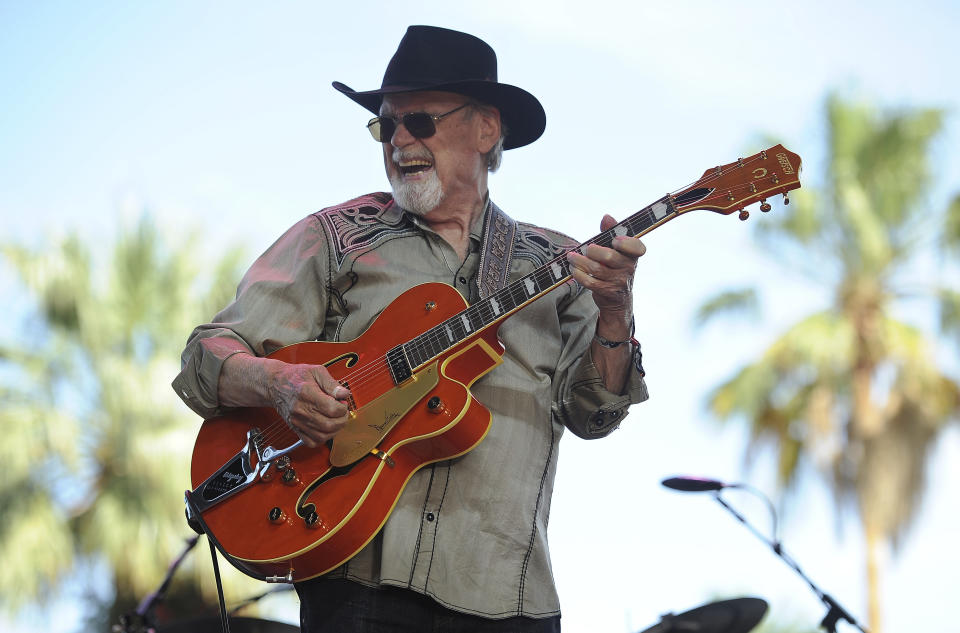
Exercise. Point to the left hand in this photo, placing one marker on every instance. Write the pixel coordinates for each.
(608, 274)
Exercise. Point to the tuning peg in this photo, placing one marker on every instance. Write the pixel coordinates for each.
(764, 205)
(744, 214)
(786, 199)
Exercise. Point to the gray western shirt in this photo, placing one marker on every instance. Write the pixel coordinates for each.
(469, 532)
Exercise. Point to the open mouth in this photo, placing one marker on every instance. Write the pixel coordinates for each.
(414, 166)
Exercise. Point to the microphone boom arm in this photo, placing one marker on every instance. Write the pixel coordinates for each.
(835, 612)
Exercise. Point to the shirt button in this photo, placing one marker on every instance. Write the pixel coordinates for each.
(430, 516)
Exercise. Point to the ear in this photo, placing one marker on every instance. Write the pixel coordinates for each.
(488, 128)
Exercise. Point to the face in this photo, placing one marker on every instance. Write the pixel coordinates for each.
(447, 167)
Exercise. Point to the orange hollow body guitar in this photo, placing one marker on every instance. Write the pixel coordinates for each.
(283, 512)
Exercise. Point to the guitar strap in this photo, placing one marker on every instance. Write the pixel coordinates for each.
(496, 252)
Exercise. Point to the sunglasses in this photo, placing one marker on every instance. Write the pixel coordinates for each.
(419, 124)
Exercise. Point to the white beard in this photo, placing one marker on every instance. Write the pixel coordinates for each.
(419, 197)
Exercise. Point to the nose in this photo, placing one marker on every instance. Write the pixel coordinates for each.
(401, 136)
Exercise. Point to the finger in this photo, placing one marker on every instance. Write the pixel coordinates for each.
(315, 431)
(607, 222)
(325, 427)
(582, 277)
(308, 435)
(583, 269)
(629, 246)
(626, 244)
(323, 406)
(330, 385)
(601, 262)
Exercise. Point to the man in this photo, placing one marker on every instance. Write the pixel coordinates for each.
(465, 548)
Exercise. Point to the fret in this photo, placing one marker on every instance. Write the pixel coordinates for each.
(512, 296)
(432, 344)
(604, 239)
(556, 270)
(415, 351)
(480, 314)
(543, 279)
(475, 316)
(491, 311)
(659, 209)
(459, 332)
(518, 292)
(504, 300)
(465, 320)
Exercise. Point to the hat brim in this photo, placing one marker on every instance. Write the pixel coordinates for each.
(521, 111)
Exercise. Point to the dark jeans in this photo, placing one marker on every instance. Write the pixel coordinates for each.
(343, 606)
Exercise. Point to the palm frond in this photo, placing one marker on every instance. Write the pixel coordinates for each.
(742, 301)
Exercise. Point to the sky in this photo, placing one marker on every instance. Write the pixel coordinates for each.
(219, 116)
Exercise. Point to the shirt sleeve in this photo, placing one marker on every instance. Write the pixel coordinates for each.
(581, 402)
(281, 300)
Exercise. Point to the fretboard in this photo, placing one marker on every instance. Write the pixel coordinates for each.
(422, 349)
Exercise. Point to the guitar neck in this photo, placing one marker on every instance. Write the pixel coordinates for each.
(504, 302)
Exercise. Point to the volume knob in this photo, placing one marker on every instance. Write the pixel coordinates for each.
(435, 405)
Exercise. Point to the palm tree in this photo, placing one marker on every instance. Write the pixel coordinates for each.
(98, 446)
(853, 390)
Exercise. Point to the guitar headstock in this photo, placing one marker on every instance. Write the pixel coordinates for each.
(734, 186)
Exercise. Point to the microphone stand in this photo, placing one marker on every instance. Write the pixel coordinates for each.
(141, 620)
(835, 612)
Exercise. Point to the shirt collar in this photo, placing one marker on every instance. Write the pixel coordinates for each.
(394, 211)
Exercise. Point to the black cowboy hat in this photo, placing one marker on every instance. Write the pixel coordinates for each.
(432, 58)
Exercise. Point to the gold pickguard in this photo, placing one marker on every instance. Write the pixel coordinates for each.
(376, 418)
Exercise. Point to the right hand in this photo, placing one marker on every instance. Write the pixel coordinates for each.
(311, 401)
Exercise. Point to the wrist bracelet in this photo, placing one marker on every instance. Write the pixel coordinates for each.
(614, 344)
(608, 343)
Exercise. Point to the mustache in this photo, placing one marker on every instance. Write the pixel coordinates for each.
(421, 153)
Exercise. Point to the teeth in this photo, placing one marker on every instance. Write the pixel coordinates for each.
(414, 163)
